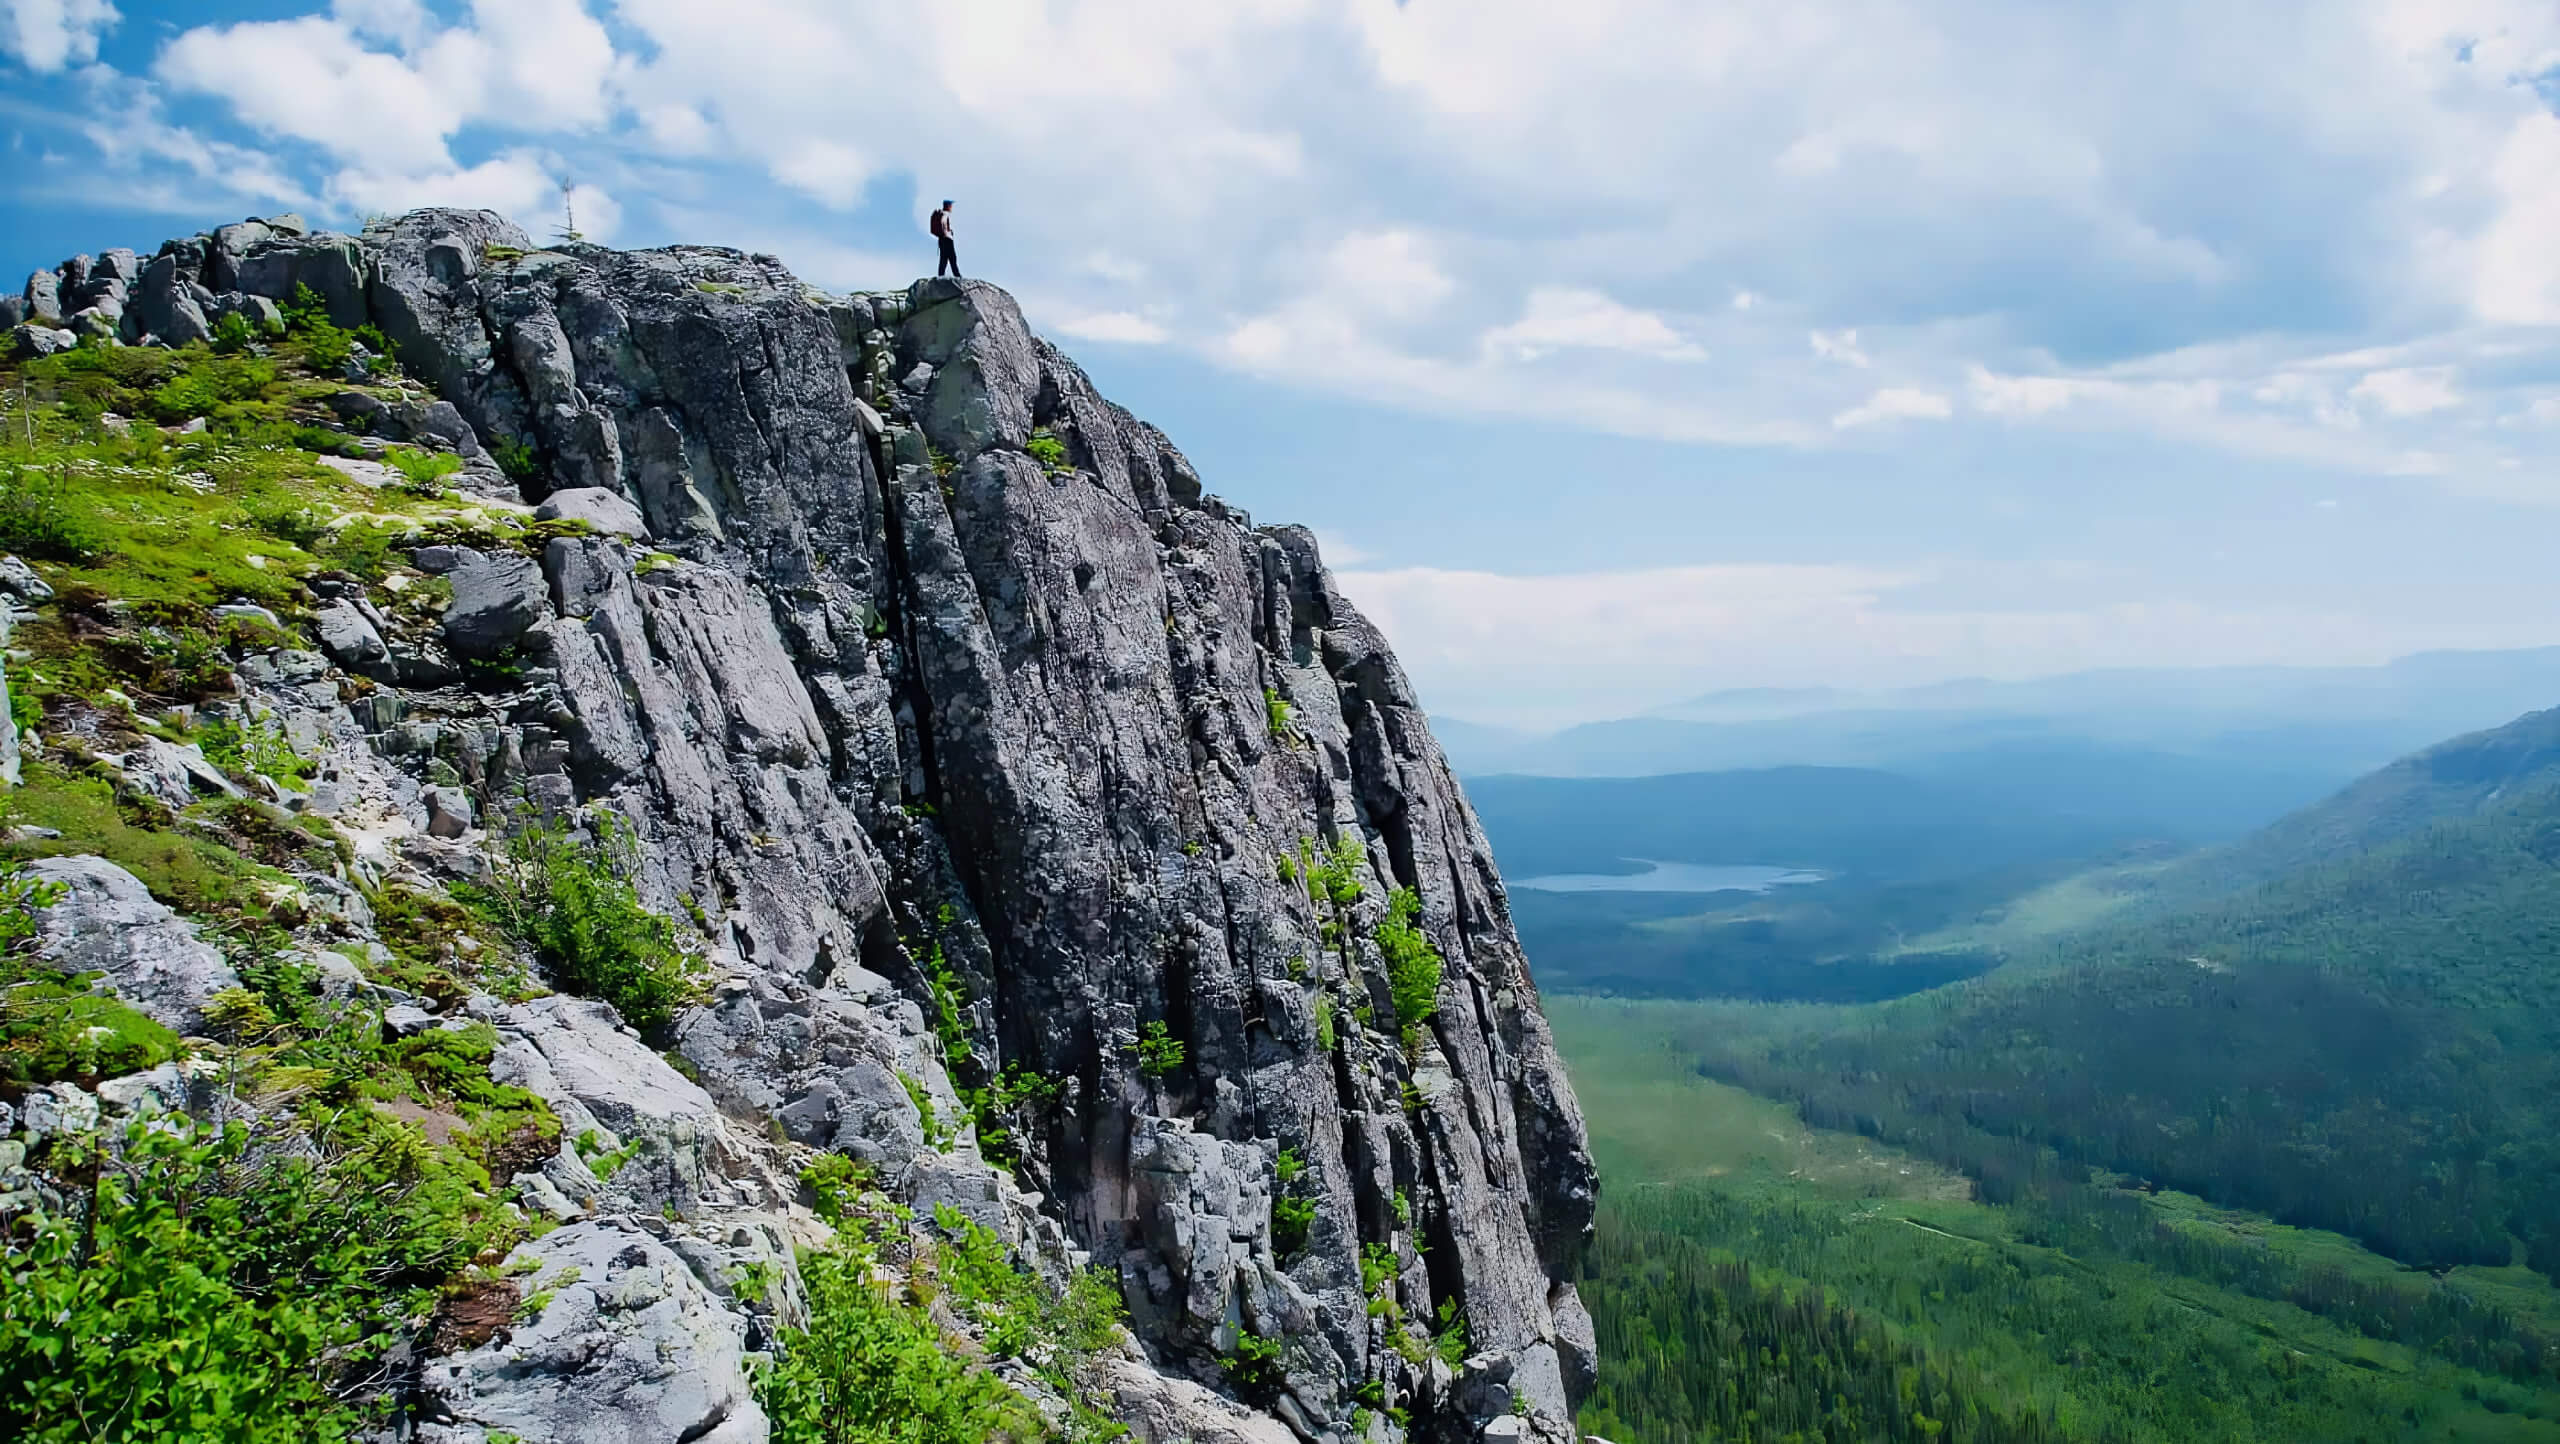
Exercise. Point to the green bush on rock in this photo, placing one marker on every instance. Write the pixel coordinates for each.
(570, 899)
(872, 1365)
(1413, 965)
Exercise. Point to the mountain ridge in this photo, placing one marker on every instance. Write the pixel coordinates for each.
(975, 752)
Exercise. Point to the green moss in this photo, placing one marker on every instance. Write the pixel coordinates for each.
(1047, 449)
(189, 872)
(52, 1028)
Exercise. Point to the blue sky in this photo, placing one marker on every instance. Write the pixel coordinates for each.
(1621, 350)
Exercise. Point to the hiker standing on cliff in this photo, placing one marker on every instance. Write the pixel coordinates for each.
(942, 233)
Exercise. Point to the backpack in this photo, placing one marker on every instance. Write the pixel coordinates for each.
(941, 225)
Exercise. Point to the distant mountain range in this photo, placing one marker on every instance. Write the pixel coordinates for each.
(2327, 722)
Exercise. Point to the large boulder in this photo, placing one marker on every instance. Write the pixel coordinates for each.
(832, 1065)
(496, 600)
(43, 298)
(349, 637)
(166, 303)
(107, 922)
(606, 511)
(629, 1347)
(334, 267)
(611, 1090)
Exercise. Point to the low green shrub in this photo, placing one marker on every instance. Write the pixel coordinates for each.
(1159, 1052)
(224, 1287)
(37, 521)
(1291, 1220)
(252, 747)
(423, 473)
(571, 901)
(1253, 1368)
(1413, 965)
(871, 1366)
(234, 333)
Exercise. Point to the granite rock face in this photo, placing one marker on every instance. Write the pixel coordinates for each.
(105, 921)
(657, 1360)
(962, 763)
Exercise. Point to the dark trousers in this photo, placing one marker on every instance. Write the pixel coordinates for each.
(950, 257)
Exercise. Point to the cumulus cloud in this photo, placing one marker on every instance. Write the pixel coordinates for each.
(1435, 205)
(382, 88)
(1562, 318)
(1125, 327)
(47, 35)
(2408, 391)
(1896, 403)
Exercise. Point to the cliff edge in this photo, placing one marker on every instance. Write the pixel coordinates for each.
(1055, 841)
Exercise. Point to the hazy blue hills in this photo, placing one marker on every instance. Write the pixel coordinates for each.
(2338, 720)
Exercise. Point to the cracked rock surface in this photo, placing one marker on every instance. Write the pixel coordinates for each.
(962, 762)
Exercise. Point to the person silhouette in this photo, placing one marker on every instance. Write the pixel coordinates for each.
(941, 226)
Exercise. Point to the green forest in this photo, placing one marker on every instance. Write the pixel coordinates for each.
(2268, 1154)
(1880, 1297)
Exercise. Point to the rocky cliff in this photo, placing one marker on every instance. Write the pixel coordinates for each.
(1059, 842)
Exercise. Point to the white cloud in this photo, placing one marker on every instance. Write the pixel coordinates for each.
(2518, 265)
(363, 105)
(827, 171)
(1840, 346)
(521, 185)
(1392, 273)
(1354, 194)
(2408, 391)
(1125, 327)
(528, 66)
(48, 35)
(1560, 318)
(2021, 395)
(1896, 403)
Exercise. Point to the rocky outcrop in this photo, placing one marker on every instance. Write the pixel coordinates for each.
(978, 743)
(105, 921)
(655, 1357)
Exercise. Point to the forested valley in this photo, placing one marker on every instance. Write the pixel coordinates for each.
(2269, 1155)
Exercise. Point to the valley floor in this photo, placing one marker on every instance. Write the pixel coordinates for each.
(1756, 1279)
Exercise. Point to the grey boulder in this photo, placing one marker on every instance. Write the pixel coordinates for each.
(606, 511)
(350, 639)
(32, 341)
(20, 580)
(496, 599)
(43, 298)
(107, 922)
(629, 1348)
